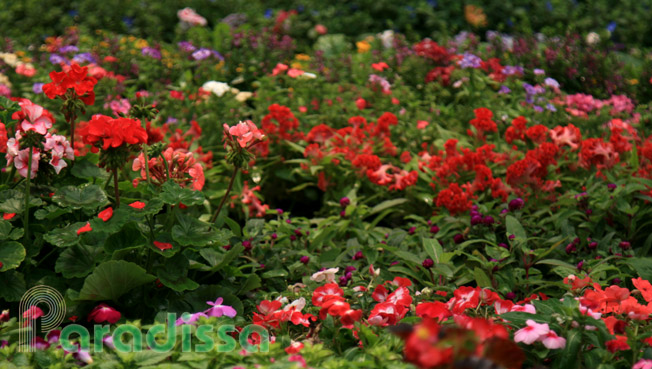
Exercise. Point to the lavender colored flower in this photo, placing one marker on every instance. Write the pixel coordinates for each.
(171, 120)
(539, 72)
(510, 70)
(504, 90)
(538, 109)
(551, 82)
(384, 84)
(151, 52)
(186, 46)
(84, 57)
(38, 88)
(57, 59)
(551, 107)
(201, 54)
(68, 49)
(469, 61)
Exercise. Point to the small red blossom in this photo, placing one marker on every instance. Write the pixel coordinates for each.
(85, 228)
(137, 205)
(106, 214)
(104, 313)
(162, 245)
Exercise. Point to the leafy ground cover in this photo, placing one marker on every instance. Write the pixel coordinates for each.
(368, 198)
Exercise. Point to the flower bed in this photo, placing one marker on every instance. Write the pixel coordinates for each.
(244, 196)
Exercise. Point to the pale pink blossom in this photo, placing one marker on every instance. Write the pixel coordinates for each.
(552, 341)
(217, 309)
(191, 17)
(532, 333)
(35, 117)
(421, 124)
(328, 275)
(294, 73)
(527, 308)
(21, 161)
(643, 364)
(245, 132)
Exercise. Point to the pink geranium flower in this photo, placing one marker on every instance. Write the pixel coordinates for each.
(532, 333)
(33, 313)
(217, 309)
(245, 132)
(22, 162)
(643, 363)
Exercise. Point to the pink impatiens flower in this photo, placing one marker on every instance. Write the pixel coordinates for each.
(190, 318)
(552, 341)
(217, 309)
(643, 364)
(532, 333)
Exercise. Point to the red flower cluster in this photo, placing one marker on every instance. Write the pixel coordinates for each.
(286, 125)
(270, 315)
(105, 132)
(482, 121)
(76, 79)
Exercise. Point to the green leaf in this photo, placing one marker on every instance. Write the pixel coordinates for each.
(51, 212)
(87, 196)
(556, 262)
(568, 358)
(193, 232)
(643, 267)
(120, 217)
(11, 255)
(230, 256)
(433, 249)
(84, 168)
(514, 227)
(64, 237)
(112, 279)
(130, 237)
(7, 230)
(13, 286)
(77, 261)
(251, 283)
(253, 227)
(174, 274)
(275, 273)
(148, 357)
(174, 194)
(481, 278)
(386, 205)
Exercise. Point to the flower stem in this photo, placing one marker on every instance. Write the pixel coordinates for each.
(226, 195)
(27, 190)
(146, 158)
(115, 186)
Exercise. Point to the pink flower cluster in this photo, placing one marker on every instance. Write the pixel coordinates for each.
(189, 16)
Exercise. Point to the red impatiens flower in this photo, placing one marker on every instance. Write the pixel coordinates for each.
(162, 245)
(104, 313)
(106, 214)
(76, 79)
(33, 312)
(294, 347)
(433, 310)
(137, 205)
(85, 228)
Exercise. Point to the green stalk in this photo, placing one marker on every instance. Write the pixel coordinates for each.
(27, 190)
(235, 172)
(115, 186)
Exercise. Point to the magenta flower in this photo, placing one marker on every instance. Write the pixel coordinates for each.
(217, 309)
(190, 318)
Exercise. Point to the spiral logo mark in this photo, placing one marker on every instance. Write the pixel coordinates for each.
(52, 317)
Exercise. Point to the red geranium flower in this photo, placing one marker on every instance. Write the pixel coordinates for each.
(106, 214)
(77, 79)
(85, 228)
(162, 245)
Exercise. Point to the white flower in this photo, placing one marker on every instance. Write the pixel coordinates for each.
(243, 96)
(218, 88)
(592, 38)
(308, 75)
(328, 275)
(387, 38)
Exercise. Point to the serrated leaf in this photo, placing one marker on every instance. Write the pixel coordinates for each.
(174, 194)
(87, 196)
(251, 283)
(13, 286)
(77, 261)
(11, 255)
(129, 237)
(112, 279)
(193, 232)
(64, 237)
(174, 274)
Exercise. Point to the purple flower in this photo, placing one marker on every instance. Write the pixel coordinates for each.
(217, 309)
(434, 229)
(201, 54)
(38, 88)
(171, 120)
(516, 204)
(344, 202)
(551, 107)
(57, 59)
(504, 90)
(551, 82)
(511, 70)
(68, 49)
(428, 263)
(304, 259)
(186, 46)
(469, 61)
(84, 57)
(539, 72)
(458, 238)
(151, 52)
